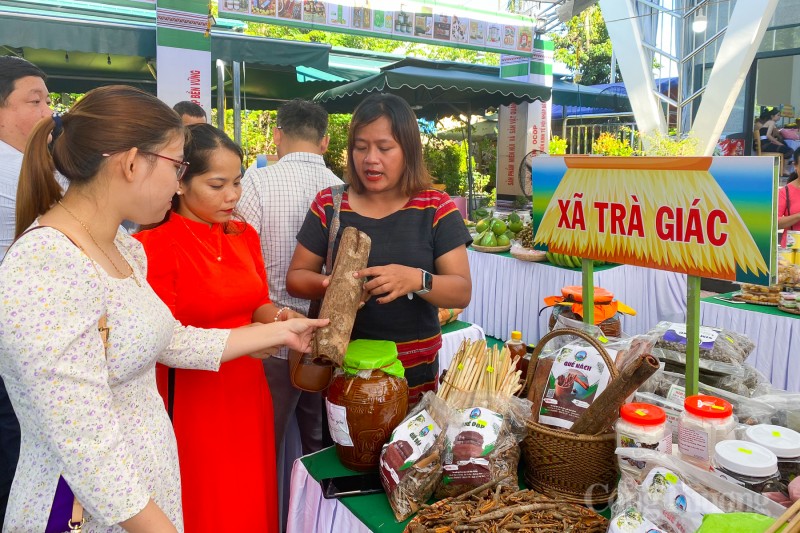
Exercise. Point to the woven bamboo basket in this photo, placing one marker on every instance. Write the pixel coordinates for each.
(578, 468)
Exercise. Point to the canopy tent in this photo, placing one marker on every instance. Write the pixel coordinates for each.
(433, 89)
(81, 51)
(436, 89)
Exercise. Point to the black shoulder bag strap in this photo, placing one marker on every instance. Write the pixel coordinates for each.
(333, 229)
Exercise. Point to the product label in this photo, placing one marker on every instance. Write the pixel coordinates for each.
(631, 441)
(693, 442)
(579, 374)
(676, 394)
(410, 441)
(632, 521)
(677, 333)
(337, 423)
(664, 496)
(469, 441)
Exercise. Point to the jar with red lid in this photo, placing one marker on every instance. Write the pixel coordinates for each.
(642, 425)
(366, 401)
(705, 421)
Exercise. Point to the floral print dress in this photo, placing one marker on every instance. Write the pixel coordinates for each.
(89, 414)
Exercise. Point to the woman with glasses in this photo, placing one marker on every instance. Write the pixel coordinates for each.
(81, 329)
(208, 268)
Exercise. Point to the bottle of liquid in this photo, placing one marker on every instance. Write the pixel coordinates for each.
(517, 348)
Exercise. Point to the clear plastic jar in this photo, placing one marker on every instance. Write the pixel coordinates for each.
(705, 421)
(642, 425)
(747, 464)
(783, 442)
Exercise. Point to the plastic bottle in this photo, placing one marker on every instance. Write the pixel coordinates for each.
(517, 348)
(642, 425)
(705, 421)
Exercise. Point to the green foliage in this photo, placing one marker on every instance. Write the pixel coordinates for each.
(447, 163)
(585, 47)
(609, 144)
(558, 146)
(658, 144)
(336, 156)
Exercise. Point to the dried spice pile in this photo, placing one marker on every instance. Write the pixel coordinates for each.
(496, 508)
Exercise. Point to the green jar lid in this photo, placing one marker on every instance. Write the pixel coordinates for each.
(364, 354)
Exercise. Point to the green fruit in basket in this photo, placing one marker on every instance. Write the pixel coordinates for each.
(549, 256)
(557, 259)
(477, 238)
(482, 225)
(576, 261)
(503, 240)
(489, 239)
(513, 217)
(498, 226)
(515, 226)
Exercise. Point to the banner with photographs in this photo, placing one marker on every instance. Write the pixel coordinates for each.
(418, 21)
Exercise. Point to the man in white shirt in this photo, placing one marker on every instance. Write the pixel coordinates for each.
(24, 101)
(275, 200)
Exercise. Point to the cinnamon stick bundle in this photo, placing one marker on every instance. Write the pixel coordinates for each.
(602, 413)
(342, 298)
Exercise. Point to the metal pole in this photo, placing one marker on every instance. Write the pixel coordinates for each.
(470, 179)
(237, 103)
(221, 94)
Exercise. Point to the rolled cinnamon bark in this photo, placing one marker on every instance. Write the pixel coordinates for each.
(342, 298)
(604, 411)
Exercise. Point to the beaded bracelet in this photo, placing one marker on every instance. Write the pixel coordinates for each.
(279, 313)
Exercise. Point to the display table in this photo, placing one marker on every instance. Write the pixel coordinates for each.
(774, 332)
(453, 334)
(310, 512)
(507, 294)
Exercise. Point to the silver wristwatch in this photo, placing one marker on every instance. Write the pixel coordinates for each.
(427, 282)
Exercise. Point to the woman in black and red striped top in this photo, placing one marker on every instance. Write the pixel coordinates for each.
(418, 261)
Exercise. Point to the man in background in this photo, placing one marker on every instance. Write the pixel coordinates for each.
(275, 200)
(190, 113)
(24, 101)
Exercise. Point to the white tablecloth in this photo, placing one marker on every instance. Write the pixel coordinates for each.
(507, 294)
(451, 341)
(775, 336)
(310, 512)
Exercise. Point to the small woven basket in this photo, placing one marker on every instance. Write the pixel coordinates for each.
(578, 468)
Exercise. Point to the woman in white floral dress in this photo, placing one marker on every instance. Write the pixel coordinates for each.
(88, 413)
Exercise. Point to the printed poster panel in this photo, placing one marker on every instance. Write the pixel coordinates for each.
(477, 32)
(411, 20)
(383, 21)
(184, 75)
(704, 216)
(339, 15)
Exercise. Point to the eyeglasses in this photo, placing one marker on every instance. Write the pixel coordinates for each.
(180, 166)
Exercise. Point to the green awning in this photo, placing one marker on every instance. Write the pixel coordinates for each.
(434, 92)
(81, 51)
